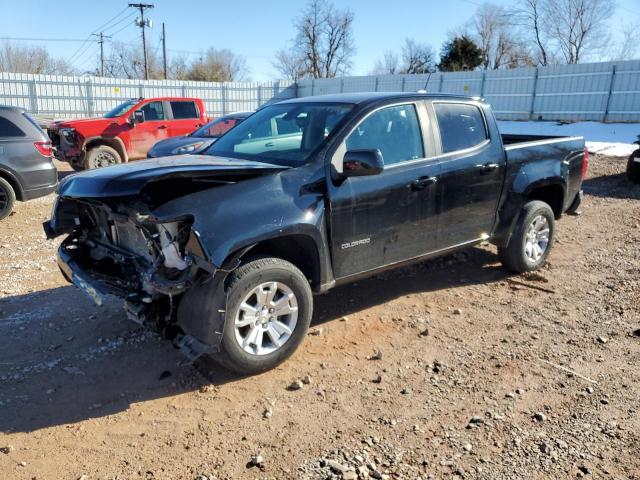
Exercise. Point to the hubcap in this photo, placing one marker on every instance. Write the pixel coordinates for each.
(266, 318)
(104, 159)
(537, 239)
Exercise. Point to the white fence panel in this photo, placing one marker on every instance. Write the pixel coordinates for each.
(607, 91)
(69, 97)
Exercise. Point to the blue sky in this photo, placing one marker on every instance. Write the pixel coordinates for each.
(252, 28)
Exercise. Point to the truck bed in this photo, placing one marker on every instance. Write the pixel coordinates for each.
(510, 140)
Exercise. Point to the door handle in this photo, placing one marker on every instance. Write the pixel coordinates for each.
(423, 182)
(269, 144)
(162, 127)
(488, 167)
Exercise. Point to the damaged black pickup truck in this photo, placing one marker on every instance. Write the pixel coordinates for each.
(222, 252)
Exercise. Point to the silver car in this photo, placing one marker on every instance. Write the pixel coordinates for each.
(26, 160)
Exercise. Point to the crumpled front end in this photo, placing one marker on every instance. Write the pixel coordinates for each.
(120, 248)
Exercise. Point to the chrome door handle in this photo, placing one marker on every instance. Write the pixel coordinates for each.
(423, 182)
(488, 167)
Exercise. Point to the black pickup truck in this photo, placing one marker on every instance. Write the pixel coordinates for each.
(222, 252)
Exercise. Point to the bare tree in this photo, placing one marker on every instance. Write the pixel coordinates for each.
(30, 59)
(577, 26)
(493, 31)
(530, 17)
(388, 64)
(290, 64)
(417, 57)
(323, 46)
(127, 61)
(628, 46)
(218, 66)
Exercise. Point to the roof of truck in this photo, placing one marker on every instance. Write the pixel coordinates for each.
(366, 97)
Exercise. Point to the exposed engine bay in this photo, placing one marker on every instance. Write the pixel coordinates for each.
(125, 251)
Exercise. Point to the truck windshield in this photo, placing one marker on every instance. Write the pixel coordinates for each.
(283, 134)
(121, 109)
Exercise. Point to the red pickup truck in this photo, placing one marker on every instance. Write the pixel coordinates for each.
(125, 133)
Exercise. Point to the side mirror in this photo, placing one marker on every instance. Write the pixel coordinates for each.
(137, 117)
(361, 163)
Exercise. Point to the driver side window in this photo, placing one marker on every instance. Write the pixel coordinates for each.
(395, 131)
(152, 111)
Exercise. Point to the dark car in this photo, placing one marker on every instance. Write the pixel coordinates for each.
(222, 252)
(26, 160)
(199, 140)
(633, 165)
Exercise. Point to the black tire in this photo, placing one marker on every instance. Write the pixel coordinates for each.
(101, 156)
(633, 167)
(7, 199)
(240, 283)
(514, 256)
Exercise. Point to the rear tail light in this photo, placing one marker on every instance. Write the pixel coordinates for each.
(44, 148)
(585, 163)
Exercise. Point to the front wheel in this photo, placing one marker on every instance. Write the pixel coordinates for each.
(633, 167)
(101, 156)
(532, 239)
(269, 308)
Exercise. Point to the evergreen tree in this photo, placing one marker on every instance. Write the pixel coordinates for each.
(459, 54)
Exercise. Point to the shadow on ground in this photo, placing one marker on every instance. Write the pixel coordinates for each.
(64, 360)
(612, 186)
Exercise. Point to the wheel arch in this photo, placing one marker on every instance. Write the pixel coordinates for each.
(551, 192)
(297, 248)
(13, 181)
(114, 142)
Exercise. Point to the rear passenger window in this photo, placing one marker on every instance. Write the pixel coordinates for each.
(183, 110)
(9, 129)
(395, 131)
(461, 126)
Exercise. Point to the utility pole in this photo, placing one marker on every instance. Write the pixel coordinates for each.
(142, 23)
(164, 51)
(101, 38)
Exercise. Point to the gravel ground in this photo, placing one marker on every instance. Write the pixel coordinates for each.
(448, 369)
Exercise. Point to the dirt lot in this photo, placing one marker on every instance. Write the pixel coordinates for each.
(473, 377)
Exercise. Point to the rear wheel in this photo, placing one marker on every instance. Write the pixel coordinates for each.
(633, 167)
(7, 199)
(101, 156)
(532, 239)
(269, 307)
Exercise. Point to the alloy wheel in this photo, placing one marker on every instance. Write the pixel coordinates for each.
(266, 318)
(537, 238)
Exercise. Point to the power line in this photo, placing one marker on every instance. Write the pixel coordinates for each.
(74, 56)
(27, 39)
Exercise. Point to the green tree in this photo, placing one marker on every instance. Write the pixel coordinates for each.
(460, 54)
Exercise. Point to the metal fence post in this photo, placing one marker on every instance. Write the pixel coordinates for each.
(184, 90)
(375, 84)
(33, 97)
(606, 108)
(403, 84)
(141, 91)
(90, 102)
(259, 95)
(223, 94)
(341, 85)
(484, 75)
(313, 87)
(441, 82)
(533, 94)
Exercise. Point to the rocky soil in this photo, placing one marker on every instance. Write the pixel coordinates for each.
(448, 369)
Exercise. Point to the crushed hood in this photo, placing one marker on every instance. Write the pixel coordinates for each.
(131, 178)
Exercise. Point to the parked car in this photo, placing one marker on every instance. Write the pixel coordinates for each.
(633, 165)
(199, 140)
(125, 133)
(26, 160)
(222, 252)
